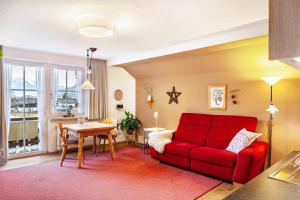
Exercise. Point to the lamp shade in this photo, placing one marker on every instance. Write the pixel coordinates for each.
(271, 80)
(272, 109)
(155, 114)
(87, 85)
(94, 26)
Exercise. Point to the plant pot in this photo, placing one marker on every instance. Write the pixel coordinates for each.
(129, 132)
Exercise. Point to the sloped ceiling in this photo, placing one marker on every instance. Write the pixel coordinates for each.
(245, 59)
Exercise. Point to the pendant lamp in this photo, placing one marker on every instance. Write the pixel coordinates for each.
(87, 85)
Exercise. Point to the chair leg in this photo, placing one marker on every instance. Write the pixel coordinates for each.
(98, 146)
(115, 144)
(63, 155)
(104, 144)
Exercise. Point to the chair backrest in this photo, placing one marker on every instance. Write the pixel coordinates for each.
(111, 121)
(61, 128)
(63, 132)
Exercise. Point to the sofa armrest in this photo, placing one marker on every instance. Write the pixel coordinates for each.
(154, 154)
(250, 162)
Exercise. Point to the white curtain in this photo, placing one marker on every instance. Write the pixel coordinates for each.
(53, 91)
(7, 102)
(41, 91)
(3, 125)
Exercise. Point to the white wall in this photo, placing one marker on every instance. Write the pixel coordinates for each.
(118, 78)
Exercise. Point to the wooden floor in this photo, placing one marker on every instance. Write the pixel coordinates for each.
(217, 193)
(220, 191)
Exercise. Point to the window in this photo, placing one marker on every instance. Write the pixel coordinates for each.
(68, 97)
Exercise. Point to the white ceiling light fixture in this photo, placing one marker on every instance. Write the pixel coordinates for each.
(87, 85)
(94, 26)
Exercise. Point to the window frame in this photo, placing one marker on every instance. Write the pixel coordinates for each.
(24, 65)
(25, 118)
(54, 91)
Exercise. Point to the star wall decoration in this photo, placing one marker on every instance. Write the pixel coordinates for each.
(173, 96)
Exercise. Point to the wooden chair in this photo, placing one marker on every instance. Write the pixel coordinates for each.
(66, 141)
(105, 137)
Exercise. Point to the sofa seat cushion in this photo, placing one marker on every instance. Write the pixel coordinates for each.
(176, 160)
(214, 156)
(212, 169)
(179, 148)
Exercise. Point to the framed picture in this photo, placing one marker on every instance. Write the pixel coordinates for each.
(217, 97)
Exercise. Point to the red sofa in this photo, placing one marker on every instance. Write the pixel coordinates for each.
(200, 141)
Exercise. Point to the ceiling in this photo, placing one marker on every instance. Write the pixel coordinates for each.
(242, 60)
(140, 25)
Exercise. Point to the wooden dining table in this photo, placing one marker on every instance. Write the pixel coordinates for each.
(91, 129)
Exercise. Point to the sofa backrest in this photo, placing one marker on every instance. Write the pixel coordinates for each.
(193, 128)
(225, 127)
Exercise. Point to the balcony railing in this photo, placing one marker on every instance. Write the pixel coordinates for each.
(23, 135)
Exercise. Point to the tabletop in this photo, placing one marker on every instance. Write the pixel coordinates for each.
(88, 126)
(153, 129)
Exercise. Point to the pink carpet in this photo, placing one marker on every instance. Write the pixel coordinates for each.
(132, 175)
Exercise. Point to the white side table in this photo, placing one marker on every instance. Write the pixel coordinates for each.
(147, 131)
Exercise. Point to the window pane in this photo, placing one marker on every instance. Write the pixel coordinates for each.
(73, 99)
(72, 81)
(60, 104)
(31, 104)
(30, 78)
(61, 80)
(67, 90)
(17, 77)
(23, 135)
(15, 140)
(17, 104)
(31, 136)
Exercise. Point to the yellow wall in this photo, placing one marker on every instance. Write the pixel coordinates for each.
(253, 98)
(253, 101)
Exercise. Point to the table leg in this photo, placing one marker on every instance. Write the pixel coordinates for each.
(94, 145)
(111, 146)
(80, 151)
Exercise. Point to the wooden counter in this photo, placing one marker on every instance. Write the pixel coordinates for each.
(264, 188)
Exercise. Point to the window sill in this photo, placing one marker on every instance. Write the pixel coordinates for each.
(61, 118)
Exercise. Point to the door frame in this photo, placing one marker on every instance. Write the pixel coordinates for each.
(44, 135)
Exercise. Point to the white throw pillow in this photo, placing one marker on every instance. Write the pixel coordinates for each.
(242, 140)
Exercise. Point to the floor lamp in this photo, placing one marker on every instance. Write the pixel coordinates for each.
(272, 110)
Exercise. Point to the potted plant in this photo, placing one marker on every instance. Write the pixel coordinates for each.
(69, 111)
(130, 124)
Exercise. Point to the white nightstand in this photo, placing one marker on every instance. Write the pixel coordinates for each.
(147, 131)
